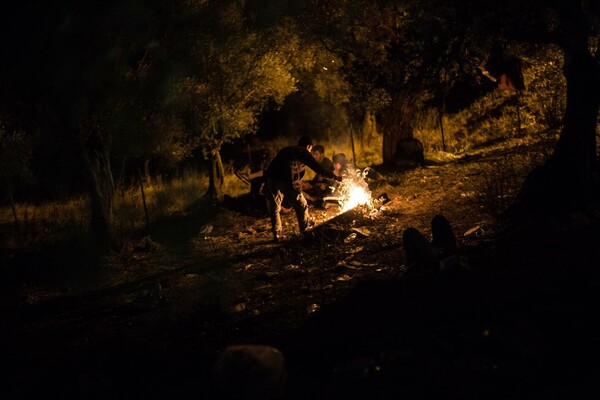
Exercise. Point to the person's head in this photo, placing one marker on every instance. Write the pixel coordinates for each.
(306, 142)
(318, 152)
(340, 163)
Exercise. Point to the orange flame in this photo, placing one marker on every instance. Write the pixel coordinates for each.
(354, 192)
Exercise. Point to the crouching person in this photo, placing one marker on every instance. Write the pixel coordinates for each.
(284, 180)
(439, 255)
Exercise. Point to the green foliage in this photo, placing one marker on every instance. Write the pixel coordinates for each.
(163, 199)
(237, 73)
(152, 134)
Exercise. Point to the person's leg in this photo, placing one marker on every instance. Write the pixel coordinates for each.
(443, 234)
(309, 197)
(274, 198)
(418, 252)
(299, 205)
(445, 246)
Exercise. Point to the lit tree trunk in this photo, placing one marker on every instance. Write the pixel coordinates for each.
(368, 132)
(396, 124)
(216, 178)
(102, 188)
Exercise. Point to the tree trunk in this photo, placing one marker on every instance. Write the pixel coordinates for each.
(97, 159)
(396, 124)
(216, 178)
(575, 151)
(369, 136)
(568, 180)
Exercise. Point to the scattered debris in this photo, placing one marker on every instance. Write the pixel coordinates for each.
(267, 276)
(313, 308)
(343, 264)
(359, 264)
(363, 232)
(356, 250)
(353, 264)
(472, 231)
(239, 307)
(343, 278)
(206, 229)
(350, 237)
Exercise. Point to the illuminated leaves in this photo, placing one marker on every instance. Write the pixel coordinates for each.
(236, 80)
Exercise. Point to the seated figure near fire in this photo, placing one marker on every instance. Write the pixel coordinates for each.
(340, 170)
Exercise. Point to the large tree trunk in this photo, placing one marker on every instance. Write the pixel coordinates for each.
(576, 148)
(97, 159)
(216, 178)
(568, 181)
(397, 124)
(369, 135)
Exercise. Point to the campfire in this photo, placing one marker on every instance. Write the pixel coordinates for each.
(352, 192)
(353, 197)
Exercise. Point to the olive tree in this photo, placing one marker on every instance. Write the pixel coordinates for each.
(236, 73)
(395, 55)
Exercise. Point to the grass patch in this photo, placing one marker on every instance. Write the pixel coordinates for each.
(39, 226)
(500, 180)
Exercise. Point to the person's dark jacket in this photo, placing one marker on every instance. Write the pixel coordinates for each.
(289, 165)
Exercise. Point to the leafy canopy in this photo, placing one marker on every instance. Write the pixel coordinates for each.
(237, 73)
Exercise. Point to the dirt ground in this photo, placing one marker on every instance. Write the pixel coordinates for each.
(340, 305)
